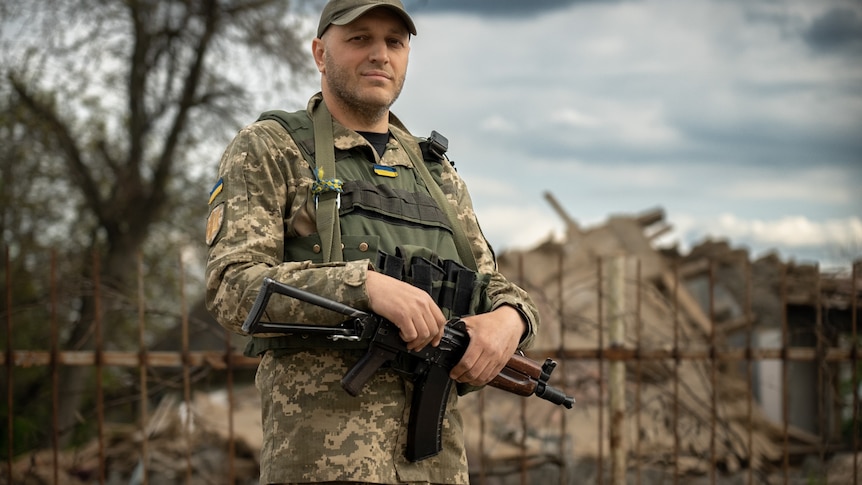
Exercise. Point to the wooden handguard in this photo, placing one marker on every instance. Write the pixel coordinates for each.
(525, 377)
(510, 380)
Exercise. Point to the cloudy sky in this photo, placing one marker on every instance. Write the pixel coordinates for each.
(742, 119)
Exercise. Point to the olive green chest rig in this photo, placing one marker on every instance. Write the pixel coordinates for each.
(313, 135)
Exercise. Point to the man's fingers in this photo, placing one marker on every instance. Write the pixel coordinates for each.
(465, 371)
(412, 310)
(436, 330)
(493, 339)
(424, 331)
(476, 371)
(439, 337)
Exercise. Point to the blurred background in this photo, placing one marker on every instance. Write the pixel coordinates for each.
(740, 121)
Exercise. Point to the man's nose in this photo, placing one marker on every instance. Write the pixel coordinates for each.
(379, 52)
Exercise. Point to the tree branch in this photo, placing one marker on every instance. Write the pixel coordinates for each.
(187, 100)
(69, 149)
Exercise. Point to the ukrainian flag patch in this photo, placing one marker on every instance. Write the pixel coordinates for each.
(385, 171)
(216, 190)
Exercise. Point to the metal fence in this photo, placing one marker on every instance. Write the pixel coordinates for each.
(615, 395)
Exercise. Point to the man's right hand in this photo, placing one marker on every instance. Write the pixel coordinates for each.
(412, 310)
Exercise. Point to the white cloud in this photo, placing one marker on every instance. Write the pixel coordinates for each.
(788, 189)
(822, 185)
(792, 231)
(787, 231)
(517, 226)
(498, 124)
(606, 46)
(574, 118)
(481, 187)
(635, 123)
(623, 174)
(643, 125)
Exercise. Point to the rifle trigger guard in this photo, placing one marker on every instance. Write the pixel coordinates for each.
(358, 333)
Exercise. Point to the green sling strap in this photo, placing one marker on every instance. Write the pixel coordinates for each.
(461, 242)
(327, 205)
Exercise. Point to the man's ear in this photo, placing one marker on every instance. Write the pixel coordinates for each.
(317, 50)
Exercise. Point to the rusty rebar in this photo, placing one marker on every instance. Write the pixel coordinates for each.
(785, 375)
(601, 363)
(749, 367)
(482, 460)
(215, 358)
(638, 369)
(855, 361)
(821, 384)
(10, 402)
(676, 365)
(99, 356)
(55, 372)
(231, 446)
(523, 402)
(143, 371)
(713, 377)
(561, 371)
(187, 381)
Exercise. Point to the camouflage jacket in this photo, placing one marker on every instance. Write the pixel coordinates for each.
(313, 430)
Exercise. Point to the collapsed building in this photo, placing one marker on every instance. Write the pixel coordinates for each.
(684, 416)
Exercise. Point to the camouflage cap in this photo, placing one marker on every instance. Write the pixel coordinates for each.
(342, 12)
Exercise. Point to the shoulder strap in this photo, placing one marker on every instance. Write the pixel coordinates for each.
(462, 244)
(328, 201)
(299, 125)
(321, 157)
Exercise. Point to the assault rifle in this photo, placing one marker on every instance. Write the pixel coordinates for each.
(427, 368)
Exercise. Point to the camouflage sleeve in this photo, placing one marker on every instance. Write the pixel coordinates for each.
(263, 185)
(500, 290)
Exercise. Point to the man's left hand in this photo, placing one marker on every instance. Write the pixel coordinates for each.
(494, 337)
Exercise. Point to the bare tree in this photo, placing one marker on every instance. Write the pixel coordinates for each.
(107, 105)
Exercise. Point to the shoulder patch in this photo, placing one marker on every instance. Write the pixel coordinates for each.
(214, 222)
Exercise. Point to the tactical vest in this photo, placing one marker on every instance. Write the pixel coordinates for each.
(377, 210)
(374, 210)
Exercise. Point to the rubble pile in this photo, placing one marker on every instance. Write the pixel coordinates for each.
(683, 416)
(180, 444)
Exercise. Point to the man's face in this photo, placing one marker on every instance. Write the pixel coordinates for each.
(364, 63)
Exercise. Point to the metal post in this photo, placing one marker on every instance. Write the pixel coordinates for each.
(10, 403)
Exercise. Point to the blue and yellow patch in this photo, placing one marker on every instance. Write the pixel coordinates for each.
(385, 171)
(216, 190)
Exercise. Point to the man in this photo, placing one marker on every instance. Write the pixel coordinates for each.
(267, 220)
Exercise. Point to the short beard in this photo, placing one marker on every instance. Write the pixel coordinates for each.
(339, 85)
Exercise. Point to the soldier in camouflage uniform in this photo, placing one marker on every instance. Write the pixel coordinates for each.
(263, 223)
